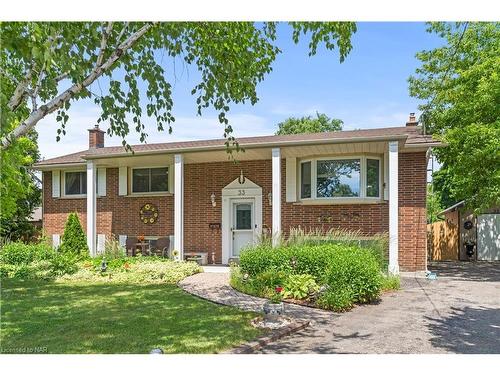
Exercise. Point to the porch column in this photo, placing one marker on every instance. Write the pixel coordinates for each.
(179, 205)
(91, 208)
(276, 209)
(393, 208)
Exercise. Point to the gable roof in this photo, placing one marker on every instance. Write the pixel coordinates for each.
(411, 135)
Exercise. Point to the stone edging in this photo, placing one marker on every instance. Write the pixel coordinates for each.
(259, 343)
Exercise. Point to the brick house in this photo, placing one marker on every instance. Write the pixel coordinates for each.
(372, 180)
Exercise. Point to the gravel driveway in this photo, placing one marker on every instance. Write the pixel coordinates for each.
(457, 313)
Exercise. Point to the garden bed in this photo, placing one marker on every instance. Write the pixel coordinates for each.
(331, 276)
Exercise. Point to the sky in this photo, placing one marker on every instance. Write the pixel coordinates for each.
(368, 90)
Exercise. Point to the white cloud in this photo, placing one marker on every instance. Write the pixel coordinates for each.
(184, 129)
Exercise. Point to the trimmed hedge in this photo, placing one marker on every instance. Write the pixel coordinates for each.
(348, 274)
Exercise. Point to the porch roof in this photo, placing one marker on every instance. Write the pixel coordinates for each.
(410, 137)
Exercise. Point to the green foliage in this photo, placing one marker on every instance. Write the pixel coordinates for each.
(321, 123)
(262, 285)
(74, 240)
(299, 286)
(338, 300)
(34, 261)
(143, 270)
(19, 192)
(433, 205)
(357, 271)
(231, 58)
(113, 249)
(391, 282)
(460, 84)
(351, 274)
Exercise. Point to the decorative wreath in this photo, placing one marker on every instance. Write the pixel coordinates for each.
(148, 213)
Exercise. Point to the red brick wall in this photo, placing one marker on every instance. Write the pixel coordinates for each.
(115, 214)
(120, 215)
(201, 180)
(412, 211)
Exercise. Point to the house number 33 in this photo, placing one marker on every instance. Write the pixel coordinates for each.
(241, 192)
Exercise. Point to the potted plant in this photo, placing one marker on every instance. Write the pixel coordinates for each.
(274, 308)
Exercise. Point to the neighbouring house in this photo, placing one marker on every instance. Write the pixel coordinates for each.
(370, 180)
(461, 228)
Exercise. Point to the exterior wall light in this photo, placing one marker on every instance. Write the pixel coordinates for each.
(212, 199)
(270, 198)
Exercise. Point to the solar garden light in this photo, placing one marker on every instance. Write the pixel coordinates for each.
(104, 265)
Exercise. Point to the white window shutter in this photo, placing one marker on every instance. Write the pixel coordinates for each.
(56, 240)
(171, 178)
(291, 179)
(122, 238)
(101, 180)
(56, 184)
(386, 176)
(122, 181)
(101, 241)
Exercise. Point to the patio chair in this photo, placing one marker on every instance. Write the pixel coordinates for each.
(162, 246)
(130, 246)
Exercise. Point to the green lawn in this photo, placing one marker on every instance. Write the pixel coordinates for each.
(80, 317)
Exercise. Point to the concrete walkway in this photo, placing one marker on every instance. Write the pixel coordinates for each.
(457, 313)
(215, 287)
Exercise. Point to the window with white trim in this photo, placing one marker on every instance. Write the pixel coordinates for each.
(340, 178)
(75, 183)
(149, 180)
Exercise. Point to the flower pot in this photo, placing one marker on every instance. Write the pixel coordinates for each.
(273, 311)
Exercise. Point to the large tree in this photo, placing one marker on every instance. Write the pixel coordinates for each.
(19, 188)
(460, 85)
(308, 124)
(51, 65)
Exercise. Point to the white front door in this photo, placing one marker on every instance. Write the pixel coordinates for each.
(242, 224)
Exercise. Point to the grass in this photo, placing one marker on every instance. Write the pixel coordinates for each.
(83, 317)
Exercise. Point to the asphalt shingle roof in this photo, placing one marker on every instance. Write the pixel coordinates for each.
(412, 134)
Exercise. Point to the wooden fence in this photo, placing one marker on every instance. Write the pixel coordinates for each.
(442, 240)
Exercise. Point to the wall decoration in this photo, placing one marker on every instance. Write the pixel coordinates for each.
(149, 213)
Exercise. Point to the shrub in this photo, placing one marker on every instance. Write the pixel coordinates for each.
(74, 239)
(34, 261)
(357, 271)
(17, 253)
(299, 286)
(262, 285)
(351, 273)
(391, 282)
(340, 300)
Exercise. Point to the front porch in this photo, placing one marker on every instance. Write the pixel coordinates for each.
(214, 205)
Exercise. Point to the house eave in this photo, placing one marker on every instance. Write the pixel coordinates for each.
(249, 145)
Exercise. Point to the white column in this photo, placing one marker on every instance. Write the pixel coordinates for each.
(179, 205)
(91, 208)
(276, 179)
(393, 208)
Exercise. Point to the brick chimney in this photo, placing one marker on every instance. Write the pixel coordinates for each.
(96, 137)
(412, 121)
